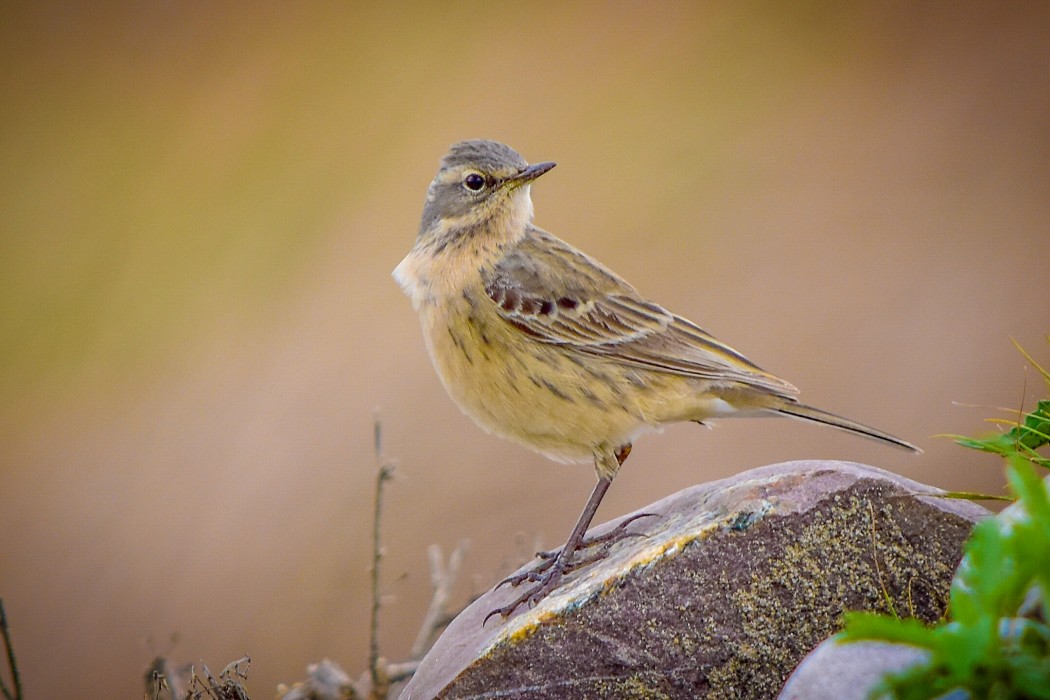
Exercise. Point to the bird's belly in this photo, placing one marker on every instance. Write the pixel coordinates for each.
(551, 399)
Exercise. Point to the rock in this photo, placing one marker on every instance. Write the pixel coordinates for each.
(728, 589)
(836, 671)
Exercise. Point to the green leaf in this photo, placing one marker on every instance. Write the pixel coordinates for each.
(873, 626)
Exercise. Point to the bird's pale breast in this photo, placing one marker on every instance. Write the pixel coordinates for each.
(557, 402)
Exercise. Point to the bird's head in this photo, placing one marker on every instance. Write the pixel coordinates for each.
(482, 187)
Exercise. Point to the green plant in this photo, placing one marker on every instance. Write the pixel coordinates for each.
(996, 641)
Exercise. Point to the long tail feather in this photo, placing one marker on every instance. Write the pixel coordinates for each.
(804, 412)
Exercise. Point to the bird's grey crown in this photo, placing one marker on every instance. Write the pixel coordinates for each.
(485, 155)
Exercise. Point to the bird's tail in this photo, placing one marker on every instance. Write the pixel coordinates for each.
(804, 412)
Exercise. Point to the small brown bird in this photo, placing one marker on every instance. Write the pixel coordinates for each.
(541, 344)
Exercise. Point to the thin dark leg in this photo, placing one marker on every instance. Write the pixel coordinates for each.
(549, 579)
(584, 521)
(550, 573)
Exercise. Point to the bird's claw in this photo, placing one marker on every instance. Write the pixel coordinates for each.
(546, 582)
(606, 538)
(547, 574)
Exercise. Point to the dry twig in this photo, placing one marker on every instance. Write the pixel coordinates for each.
(15, 692)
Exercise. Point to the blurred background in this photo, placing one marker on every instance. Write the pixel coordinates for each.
(202, 204)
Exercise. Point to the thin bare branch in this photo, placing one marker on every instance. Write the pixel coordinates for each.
(385, 471)
(12, 662)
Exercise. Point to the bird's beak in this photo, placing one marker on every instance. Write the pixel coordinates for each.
(529, 174)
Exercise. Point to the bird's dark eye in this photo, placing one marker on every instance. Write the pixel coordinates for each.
(474, 182)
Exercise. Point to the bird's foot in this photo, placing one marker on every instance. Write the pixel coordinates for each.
(546, 580)
(606, 540)
(553, 566)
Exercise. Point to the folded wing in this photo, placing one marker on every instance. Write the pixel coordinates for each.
(555, 294)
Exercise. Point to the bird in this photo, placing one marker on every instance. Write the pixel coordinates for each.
(541, 344)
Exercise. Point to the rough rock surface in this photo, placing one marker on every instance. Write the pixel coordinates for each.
(731, 586)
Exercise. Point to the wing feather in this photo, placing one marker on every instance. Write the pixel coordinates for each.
(557, 295)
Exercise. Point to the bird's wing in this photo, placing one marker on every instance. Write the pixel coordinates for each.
(556, 294)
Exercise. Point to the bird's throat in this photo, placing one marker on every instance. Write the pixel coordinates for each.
(446, 258)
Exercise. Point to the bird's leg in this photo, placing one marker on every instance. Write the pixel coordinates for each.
(547, 580)
(606, 539)
(548, 574)
(606, 468)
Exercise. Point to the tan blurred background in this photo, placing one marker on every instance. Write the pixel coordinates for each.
(201, 205)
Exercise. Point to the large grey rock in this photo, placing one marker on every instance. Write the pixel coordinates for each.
(835, 671)
(732, 584)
